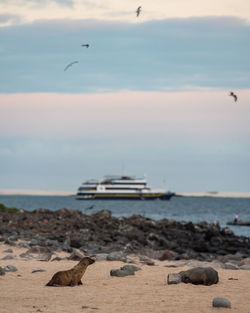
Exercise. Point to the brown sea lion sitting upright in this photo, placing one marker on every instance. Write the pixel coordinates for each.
(200, 276)
(71, 277)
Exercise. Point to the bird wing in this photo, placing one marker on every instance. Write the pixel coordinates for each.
(235, 98)
(70, 64)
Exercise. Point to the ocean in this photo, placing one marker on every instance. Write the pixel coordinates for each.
(194, 209)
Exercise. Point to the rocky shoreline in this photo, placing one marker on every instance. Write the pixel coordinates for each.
(66, 230)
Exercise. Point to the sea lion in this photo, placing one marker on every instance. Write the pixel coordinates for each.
(200, 276)
(71, 277)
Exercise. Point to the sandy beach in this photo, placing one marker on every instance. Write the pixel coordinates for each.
(146, 291)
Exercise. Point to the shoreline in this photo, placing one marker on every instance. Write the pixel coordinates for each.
(27, 192)
(215, 194)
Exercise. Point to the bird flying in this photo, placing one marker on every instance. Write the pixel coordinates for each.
(234, 96)
(85, 45)
(138, 11)
(70, 64)
(90, 207)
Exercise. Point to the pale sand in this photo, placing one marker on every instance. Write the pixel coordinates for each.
(144, 292)
(29, 192)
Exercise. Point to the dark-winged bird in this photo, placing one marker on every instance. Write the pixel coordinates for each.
(90, 207)
(138, 11)
(70, 64)
(234, 96)
(85, 45)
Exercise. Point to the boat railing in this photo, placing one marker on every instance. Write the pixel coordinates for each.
(90, 181)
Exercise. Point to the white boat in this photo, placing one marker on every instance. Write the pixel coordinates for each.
(120, 188)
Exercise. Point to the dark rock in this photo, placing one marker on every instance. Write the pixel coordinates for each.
(44, 257)
(76, 255)
(227, 231)
(131, 268)
(25, 256)
(8, 251)
(13, 237)
(174, 279)
(101, 233)
(38, 250)
(104, 214)
(89, 307)
(23, 245)
(146, 260)
(232, 258)
(245, 267)
(2, 271)
(34, 242)
(9, 257)
(10, 268)
(57, 258)
(120, 273)
(216, 241)
(230, 266)
(53, 244)
(124, 271)
(166, 255)
(38, 271)
(76, 242)
(66, 245)
(245, 261)
(10, 242)
(221, 303)
(116, 256)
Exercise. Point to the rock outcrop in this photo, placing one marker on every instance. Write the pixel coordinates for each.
(102, 233)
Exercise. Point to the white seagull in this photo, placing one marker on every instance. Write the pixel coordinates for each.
(70, 64)
(234, 96)
(138, 11)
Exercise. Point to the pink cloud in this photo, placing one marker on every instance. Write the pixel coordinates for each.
(201, 113)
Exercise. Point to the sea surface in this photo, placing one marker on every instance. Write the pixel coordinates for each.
(195, 209)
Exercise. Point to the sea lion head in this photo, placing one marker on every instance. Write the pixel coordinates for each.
(87, 260)
(90, 259)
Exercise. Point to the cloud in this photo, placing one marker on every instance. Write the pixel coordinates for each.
(62, 163)
(159, 55)
(35, 3)
(69, 3)
(9, 19)
(191, 115)
(111, 10)
(46, 138)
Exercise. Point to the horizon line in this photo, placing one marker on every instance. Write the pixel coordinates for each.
(37, 192)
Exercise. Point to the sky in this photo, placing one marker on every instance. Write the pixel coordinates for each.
(150, 96)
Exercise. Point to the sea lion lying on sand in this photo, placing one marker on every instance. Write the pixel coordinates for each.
(200, 276)
(73, 276)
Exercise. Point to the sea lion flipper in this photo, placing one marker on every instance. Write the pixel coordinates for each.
(74, 280)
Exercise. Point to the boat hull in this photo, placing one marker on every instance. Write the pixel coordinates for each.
(240, 223)
(105, 196)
